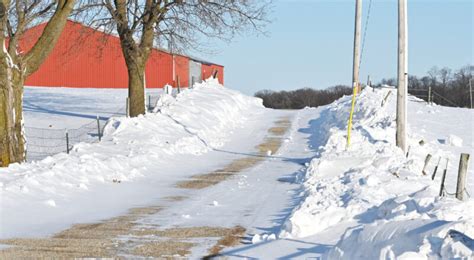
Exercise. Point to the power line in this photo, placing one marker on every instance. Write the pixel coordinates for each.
(365, 32)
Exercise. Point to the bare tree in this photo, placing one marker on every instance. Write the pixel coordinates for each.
(179, 24)
(300, 98)
(445, 75)
(433, 74)
(448, 87)
(16, 64)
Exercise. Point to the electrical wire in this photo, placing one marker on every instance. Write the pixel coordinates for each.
(365, 33)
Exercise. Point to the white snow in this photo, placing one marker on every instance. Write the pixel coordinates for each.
(455, 141)
(140, 151)
(387, 209)
(311, 198)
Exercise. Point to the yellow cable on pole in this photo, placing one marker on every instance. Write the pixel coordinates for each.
(349, 126)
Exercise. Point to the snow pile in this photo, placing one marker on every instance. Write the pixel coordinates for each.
(380, 197)
(193, 123)
(455, 141)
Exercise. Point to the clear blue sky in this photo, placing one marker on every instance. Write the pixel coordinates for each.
(309, 43)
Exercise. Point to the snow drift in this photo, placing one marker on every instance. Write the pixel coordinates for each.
(192, 123)
(389, 208)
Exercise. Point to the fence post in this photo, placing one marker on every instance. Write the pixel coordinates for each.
(385, 98)
(127, 107)
(462, 173)
(435, 169)
(98, 128)
(177, 84)
(441, 189)
(429, 95)
(67, 142)
(149, 102)
(427, 160)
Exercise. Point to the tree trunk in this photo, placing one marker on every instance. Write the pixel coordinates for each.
(15, 66)
(12, 143)
(136, 87)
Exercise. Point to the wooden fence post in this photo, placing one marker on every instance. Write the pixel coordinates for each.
(435, 169)
(67, 142)
(441, 189)
(127, 107)
(385, 99)
(427, 160)
(98, 128)
(429, 95)
(177, 84)
(462, 173)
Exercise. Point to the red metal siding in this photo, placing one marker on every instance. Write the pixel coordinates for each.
(159, 69)
(208, 70)
(220, 72)
(82, 58)
(182, 70)
(87, 58)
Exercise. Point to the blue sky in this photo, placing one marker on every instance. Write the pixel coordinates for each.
(309, 43)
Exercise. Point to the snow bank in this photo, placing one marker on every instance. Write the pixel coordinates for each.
(193, 123)
(389, 208)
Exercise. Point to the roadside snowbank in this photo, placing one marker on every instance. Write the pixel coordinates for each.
(389, 208)
(193, 123)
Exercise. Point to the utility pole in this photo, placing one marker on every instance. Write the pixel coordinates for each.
(401, 137)
(355, 66)
(356, 58)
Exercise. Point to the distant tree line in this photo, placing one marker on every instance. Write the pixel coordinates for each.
(448, 87)
(305, 97)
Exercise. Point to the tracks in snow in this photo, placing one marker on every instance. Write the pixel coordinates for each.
(123, 236)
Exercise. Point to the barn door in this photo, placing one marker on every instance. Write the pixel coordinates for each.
(194, 72)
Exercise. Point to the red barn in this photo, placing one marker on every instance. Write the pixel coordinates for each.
(87, 58)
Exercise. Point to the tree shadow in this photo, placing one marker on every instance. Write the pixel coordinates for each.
(315, 251)
(316, 136)
(30, 107)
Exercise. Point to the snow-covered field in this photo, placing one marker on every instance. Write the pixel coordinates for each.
(62, 108)
(312, 198)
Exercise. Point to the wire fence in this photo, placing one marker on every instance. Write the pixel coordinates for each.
(5, 140)
(44, 142)
(432, 96)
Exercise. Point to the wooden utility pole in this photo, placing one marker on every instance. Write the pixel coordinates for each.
(355, 66)
(401, 136)
(356, 58)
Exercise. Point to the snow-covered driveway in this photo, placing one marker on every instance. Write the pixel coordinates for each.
(98, 183)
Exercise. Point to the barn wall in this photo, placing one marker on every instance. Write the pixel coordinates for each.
(220, 72)
(87, 58)
(82, 58)
(159, 69)
(208, 69)
(182, 70)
